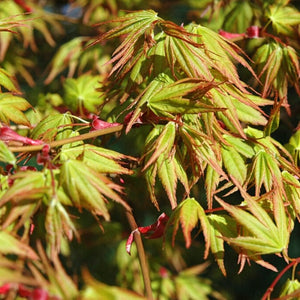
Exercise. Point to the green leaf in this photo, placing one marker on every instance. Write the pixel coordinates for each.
(239, 17)
(234, 164)
(266, 171)
(87, 188)
(181, 97)
(212, 179)
(221, 52)
(97, 290)
(53, 127)
(193, 62)
(216, 241)
(97, 158)
(58, 225)
(162, 145)
(66, 56)
(189, 212)
(293, 147)
(292, 190)
(81, 93)
(6, 155)
(189, 287)
(240, 145)
(11, 109)
(266, 236)
(10, 244)
(291, 288)
(280, 22)
(27, 186)
(6, 81)
(166, 173)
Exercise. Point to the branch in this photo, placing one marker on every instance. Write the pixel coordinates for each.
(271, 287)
(141, 253)
(73, 139)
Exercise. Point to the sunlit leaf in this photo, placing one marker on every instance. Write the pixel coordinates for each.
(6, 155)
(87, 188)
(234, 164)
(189, 213)
(97, 158)
(266, 236)
(27, 186)
(166, 173)
(278, 16)
(162, 145)
(11, 109)
(10, 244)
(81, 93)
(6, 81)
(293, 147)
(53, 127)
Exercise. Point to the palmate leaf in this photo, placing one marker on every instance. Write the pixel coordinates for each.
(81, 94)
(67, 56)
(220, 225)
(266, 237)
(134, 25)
(6, 155)
(221, 52)
(27, 186)
(167, 174)
(292, 189)
(53, 127)
(11, 109)
(266, 171)
(188, 57)
(280, 23)
(97, 290)
(58, 226)
(87, 188)
(52, 277)
(10, 244)
(278, 66)
(97, 158)
(234, 164)
(189, 213)
(162, 145)
(293, 147)
(6, 81)
(182, 97)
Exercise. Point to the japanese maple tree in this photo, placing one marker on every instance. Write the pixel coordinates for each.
(141, 127)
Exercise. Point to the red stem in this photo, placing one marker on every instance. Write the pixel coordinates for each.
(271, 287)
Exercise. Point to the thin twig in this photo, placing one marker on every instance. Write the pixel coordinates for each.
(73, 139)
(141, 253)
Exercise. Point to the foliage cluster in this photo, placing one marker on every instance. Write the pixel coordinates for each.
(134, 114)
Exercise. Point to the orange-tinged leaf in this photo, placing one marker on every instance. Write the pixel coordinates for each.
(189, 213)
(11, 109)
(10, 244)
(166, 173)
(87, 188)
(162, 145)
